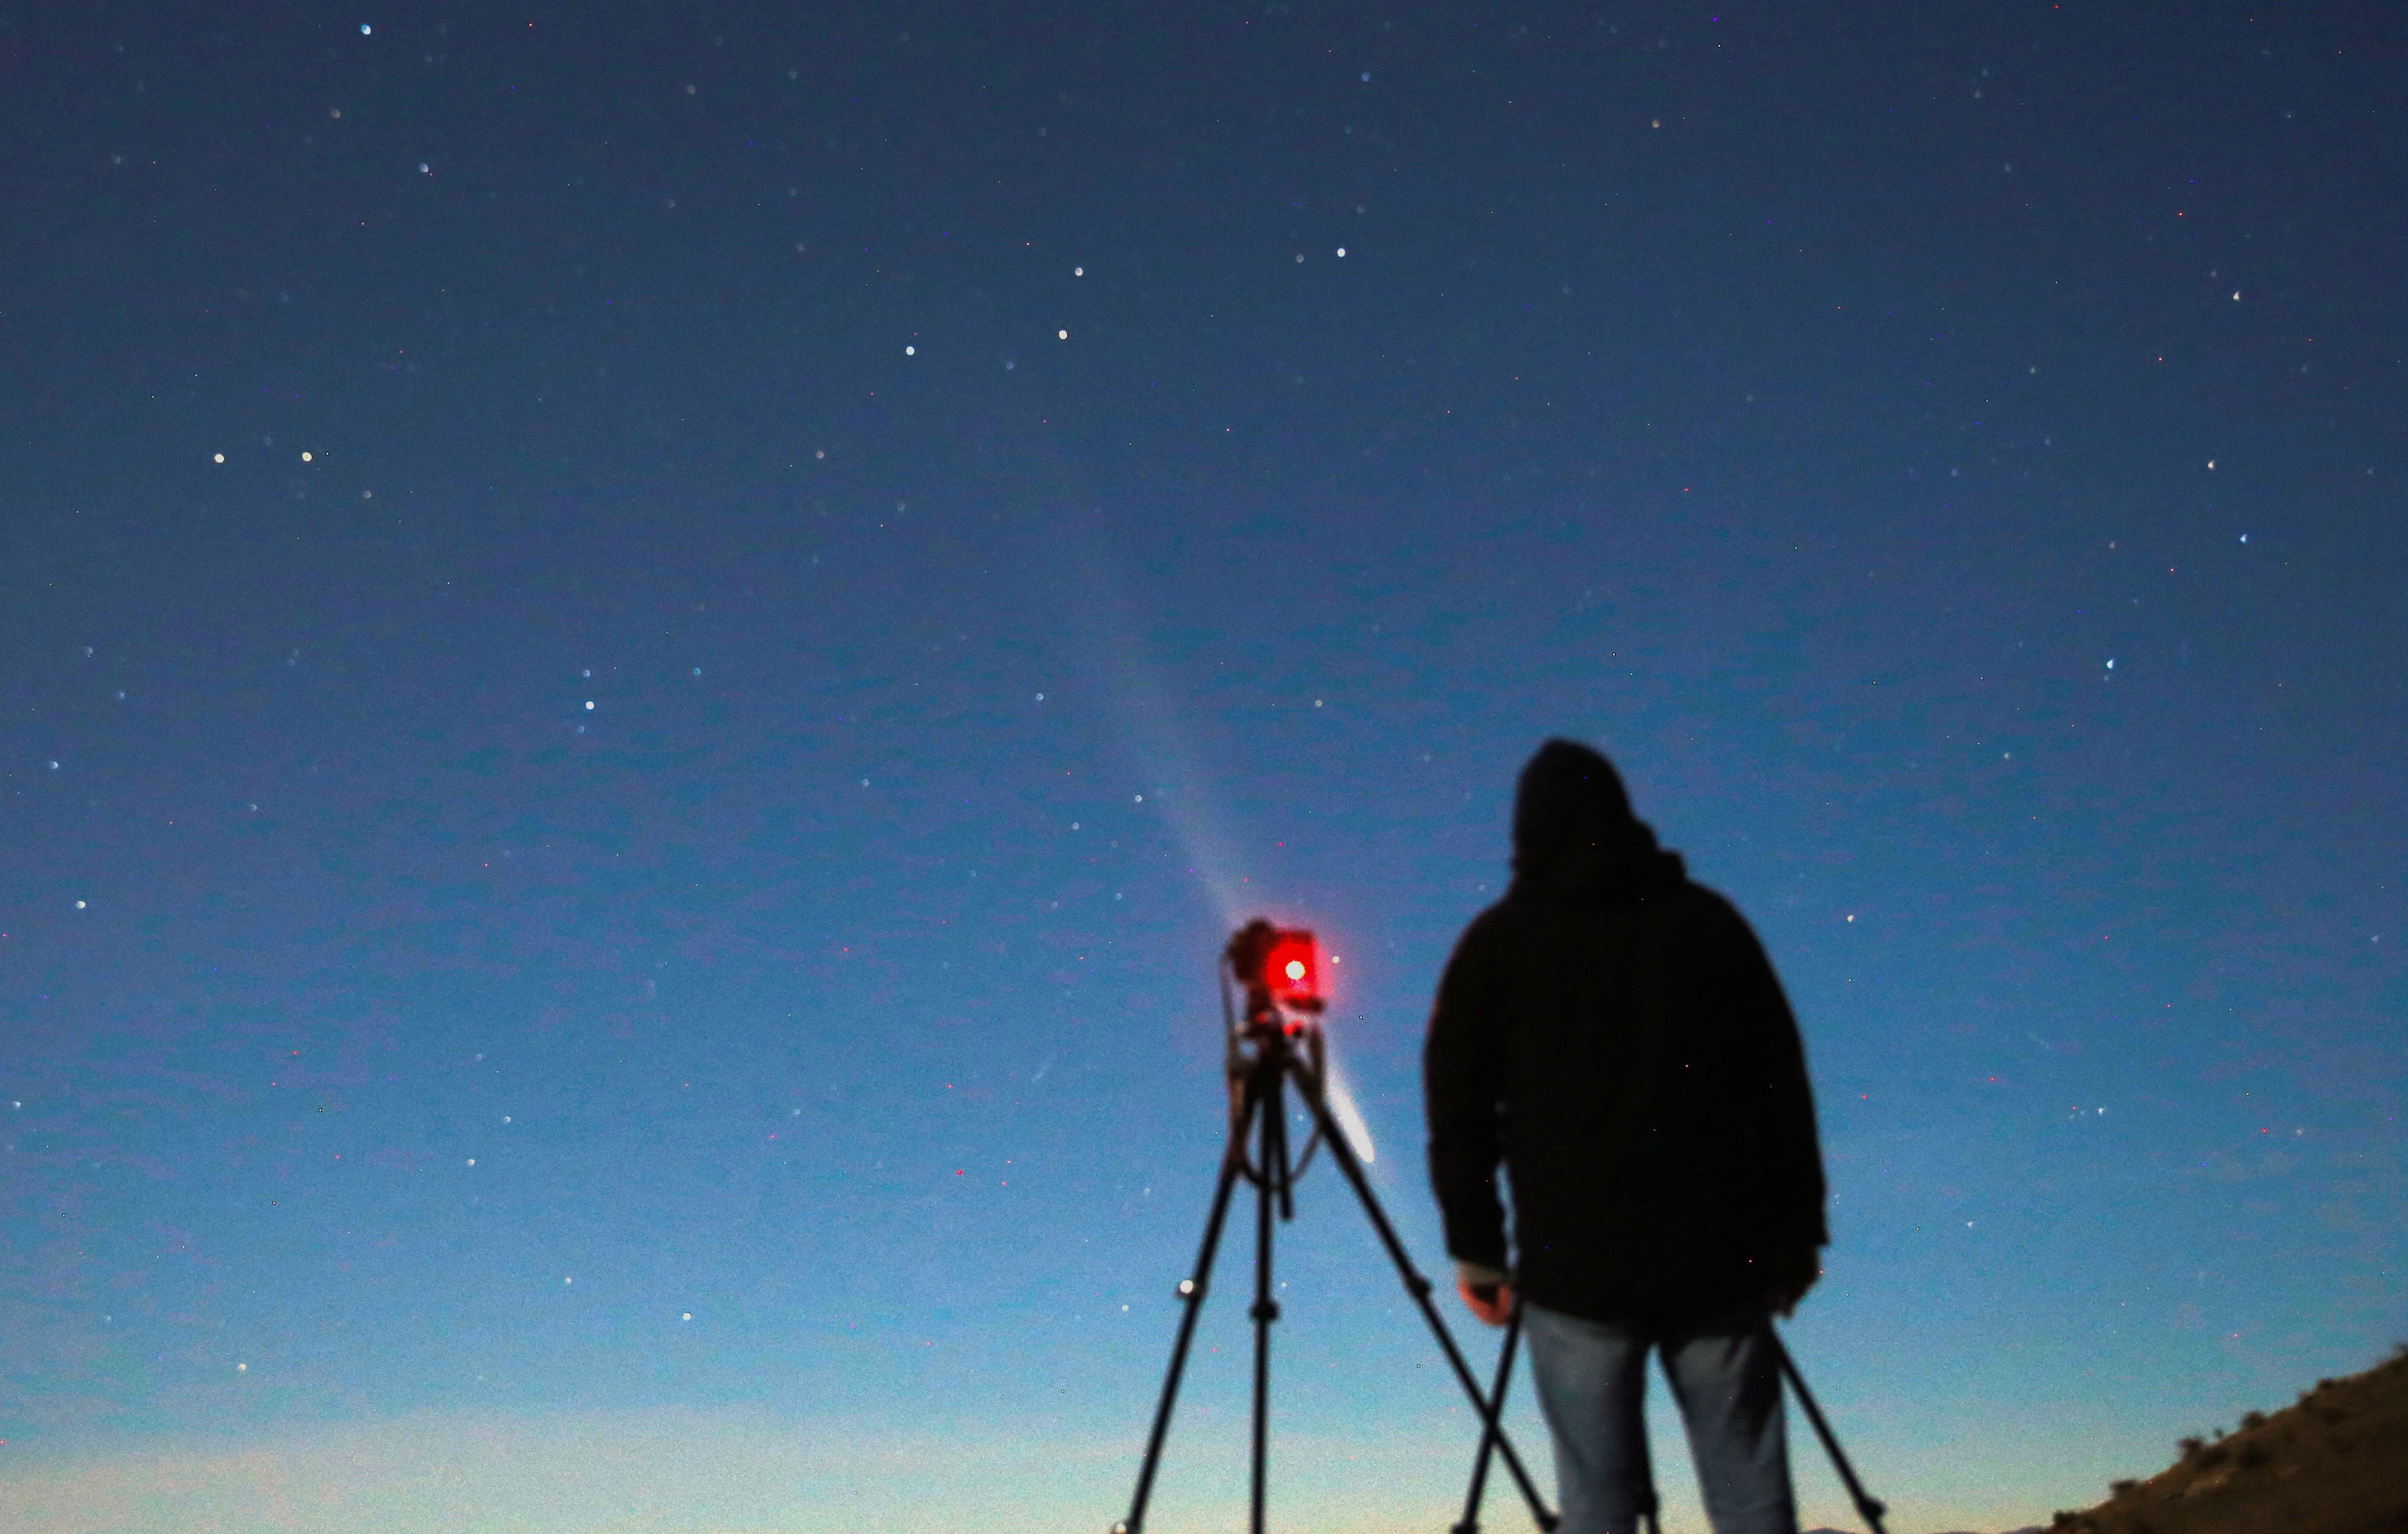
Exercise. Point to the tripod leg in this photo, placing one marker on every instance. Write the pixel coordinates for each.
(1470, 1524)
(1419, 1287)
(1268, 1195)
(1192, 1292)
(1869, 1507)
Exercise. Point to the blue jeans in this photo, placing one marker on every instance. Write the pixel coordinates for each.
(1592, 1378)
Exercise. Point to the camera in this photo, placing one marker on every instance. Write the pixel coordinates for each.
(1279, 967)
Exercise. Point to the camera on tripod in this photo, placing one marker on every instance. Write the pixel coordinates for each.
(1275, 1047)
(1278, 1030)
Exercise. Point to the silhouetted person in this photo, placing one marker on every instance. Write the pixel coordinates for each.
(1613, 1034)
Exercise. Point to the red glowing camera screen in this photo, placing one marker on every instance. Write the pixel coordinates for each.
(1292, 967)
(1281, 964)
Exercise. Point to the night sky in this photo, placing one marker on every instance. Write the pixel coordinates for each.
(647, 652)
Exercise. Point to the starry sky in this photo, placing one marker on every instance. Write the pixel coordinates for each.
(647, 649)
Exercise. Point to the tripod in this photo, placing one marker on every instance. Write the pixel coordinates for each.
(1271, 1050)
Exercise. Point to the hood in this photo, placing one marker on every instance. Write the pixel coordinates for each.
(1574, 834)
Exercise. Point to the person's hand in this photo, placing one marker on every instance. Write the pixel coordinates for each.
(1790, 1274)
(1485, 1292)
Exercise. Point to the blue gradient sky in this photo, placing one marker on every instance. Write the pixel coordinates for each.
(839, 547)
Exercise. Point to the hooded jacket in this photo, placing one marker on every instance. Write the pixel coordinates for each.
(1613, 1035)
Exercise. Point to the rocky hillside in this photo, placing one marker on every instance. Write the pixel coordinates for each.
(2334, 1463)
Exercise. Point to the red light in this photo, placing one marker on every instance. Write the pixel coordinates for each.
(1279, 967)
(1292, 967)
